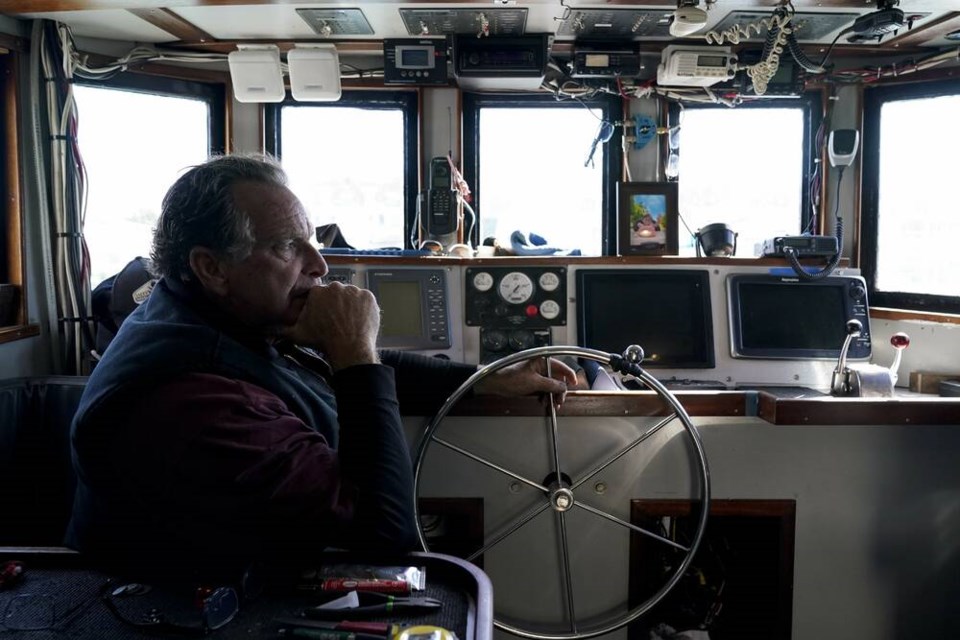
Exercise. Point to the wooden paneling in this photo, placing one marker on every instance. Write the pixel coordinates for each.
(173, 24)
(12, 215)
(927, 32)
(882, 313)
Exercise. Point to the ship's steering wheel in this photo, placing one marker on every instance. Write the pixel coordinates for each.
(581, 494)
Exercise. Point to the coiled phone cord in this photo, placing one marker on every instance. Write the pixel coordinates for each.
(791, 253)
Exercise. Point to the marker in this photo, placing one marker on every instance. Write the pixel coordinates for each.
(380, 629)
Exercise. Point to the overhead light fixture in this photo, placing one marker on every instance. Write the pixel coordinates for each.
(256, 74)
(314, 73)
(687, 19)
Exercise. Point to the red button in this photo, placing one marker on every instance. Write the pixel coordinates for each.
(532, 310)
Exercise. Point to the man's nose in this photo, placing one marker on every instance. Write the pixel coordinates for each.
(315, 266)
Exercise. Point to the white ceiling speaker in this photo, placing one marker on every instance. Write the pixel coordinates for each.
(256, 74)
(687, 19)
(314, 73)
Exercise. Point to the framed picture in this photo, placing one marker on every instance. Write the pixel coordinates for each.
(647, 219)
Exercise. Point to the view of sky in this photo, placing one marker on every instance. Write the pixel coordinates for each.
(130, 166)
(742, 167)
(918, 145)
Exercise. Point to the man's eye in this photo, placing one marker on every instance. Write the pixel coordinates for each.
(286, 248)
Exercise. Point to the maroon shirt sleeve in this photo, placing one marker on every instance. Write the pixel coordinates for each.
(216, 454)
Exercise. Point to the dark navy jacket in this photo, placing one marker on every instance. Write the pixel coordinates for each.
(174, 333)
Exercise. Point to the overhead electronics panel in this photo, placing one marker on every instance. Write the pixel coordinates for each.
(623, 24)
(415, 61)
(808, 27)
(479, 22)
(517, 63)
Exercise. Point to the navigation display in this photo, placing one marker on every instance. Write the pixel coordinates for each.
(666, 312)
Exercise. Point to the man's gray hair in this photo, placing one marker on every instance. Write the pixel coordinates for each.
(200, 210)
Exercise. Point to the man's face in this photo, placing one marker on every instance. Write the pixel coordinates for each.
(267, 289)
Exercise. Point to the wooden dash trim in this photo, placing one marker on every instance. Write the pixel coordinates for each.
(11, 334)
(883, 313)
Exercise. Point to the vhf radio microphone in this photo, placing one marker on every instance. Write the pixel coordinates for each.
(441, 218)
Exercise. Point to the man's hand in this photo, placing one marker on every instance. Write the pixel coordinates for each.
(342, 321)
(529, 377)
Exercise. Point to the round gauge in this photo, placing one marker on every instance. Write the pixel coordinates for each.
(516, 287)
(482, 281)
(549, 309)
(549, 281)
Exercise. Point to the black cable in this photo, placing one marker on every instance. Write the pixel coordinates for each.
(791, 253)
(793, 46)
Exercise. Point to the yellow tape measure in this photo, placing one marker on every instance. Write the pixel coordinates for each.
(425, 632)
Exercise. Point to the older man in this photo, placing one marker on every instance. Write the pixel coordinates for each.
(243, 410)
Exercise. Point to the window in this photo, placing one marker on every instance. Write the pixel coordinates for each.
(352, 162)
(136, 136)
(524, 161)
(746, 167)
(910, 226)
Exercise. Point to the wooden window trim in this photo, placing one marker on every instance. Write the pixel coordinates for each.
(12, 213)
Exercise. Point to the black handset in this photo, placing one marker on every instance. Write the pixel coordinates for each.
(441, 204)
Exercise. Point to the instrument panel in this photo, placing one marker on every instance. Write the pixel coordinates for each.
(515, 307)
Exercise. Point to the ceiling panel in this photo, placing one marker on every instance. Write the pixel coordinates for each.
(117, 24)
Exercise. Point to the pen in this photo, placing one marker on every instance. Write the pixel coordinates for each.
(325, 634)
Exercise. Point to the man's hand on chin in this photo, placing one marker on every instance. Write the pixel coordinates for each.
(342, 322)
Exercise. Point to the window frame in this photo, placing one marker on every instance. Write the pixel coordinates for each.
(874, 100)
(612, 109)
(811, 104)
(408, 101)
(213, 93)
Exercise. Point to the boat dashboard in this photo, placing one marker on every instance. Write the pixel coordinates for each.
(703, 325)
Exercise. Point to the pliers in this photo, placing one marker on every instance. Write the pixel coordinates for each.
(373, 604)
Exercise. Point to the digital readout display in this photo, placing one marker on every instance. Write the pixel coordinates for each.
(711, 61)
(414, 57)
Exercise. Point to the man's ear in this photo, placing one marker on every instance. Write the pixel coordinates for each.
(208, 268)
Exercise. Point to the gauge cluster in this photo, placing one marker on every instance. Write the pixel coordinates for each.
(516, 297)
(515, 307)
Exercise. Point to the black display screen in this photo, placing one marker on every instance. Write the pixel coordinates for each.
(783, 317)
(666, 312)
(774, 316)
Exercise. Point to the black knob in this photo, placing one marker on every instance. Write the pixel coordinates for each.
(854, 327)
(857, 292)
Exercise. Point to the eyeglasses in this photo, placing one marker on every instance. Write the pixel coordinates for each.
(217, 608)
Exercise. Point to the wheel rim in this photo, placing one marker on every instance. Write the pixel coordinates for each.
(559, 491)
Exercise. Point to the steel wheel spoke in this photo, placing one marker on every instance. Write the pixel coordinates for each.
(553, 430)
(487, 463)
(630, 525)
(603, 465)
(499, 538)
(566, 571)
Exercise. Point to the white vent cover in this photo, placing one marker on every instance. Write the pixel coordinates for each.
(256, 75)
(314, 73)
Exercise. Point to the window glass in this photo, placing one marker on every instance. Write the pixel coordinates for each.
(533, 179)
(916, 222)
(347, 166)
(134, 146)
(742, 167)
